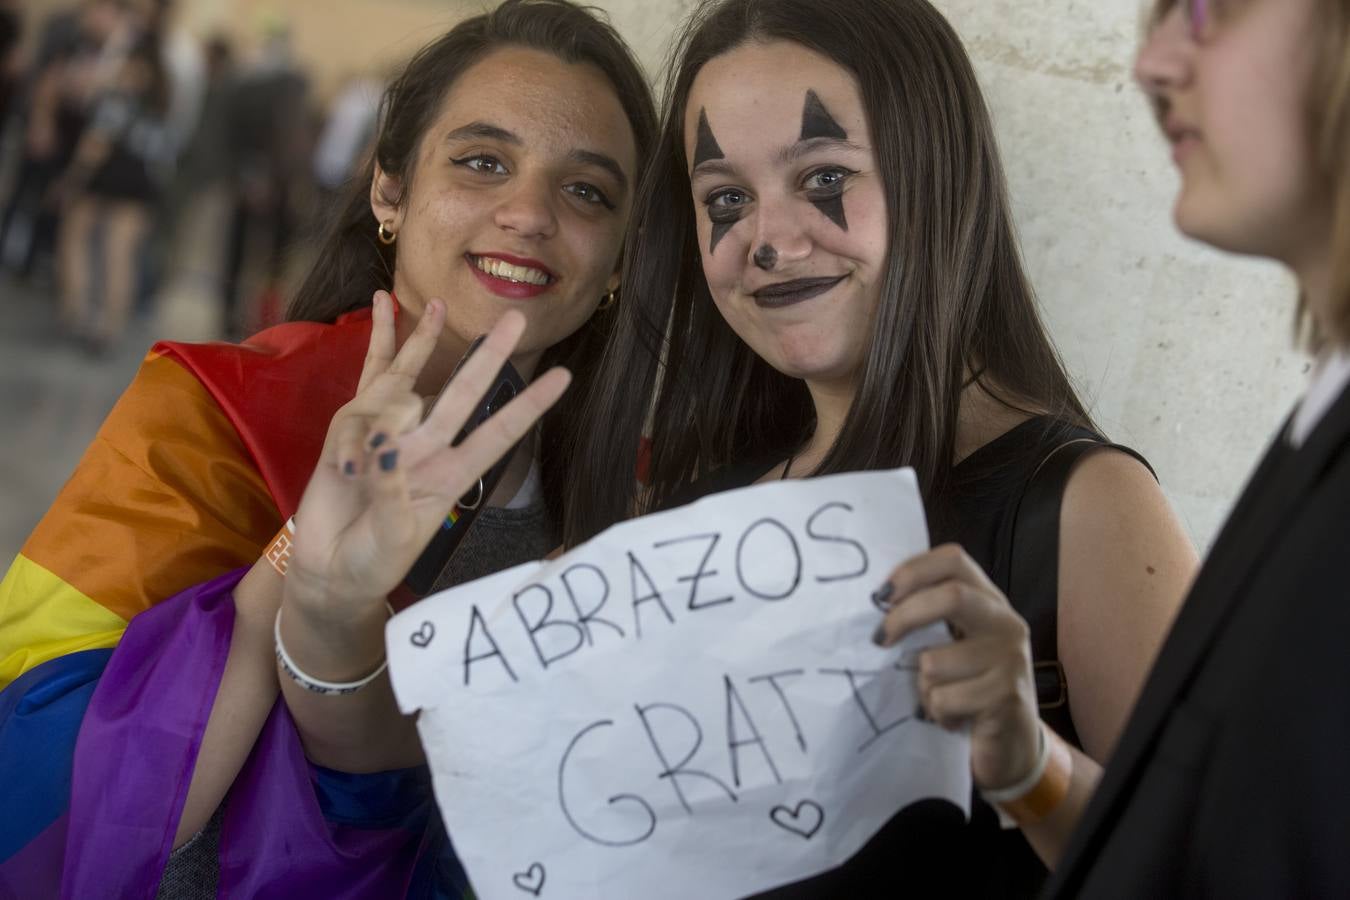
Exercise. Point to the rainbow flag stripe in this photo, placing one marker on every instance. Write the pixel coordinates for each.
(115, 621)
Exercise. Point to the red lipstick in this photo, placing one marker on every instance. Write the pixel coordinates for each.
(506, 287)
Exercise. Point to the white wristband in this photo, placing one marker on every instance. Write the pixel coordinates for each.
(1021, 788)
(318, 685)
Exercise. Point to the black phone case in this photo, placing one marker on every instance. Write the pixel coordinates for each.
(421, 578)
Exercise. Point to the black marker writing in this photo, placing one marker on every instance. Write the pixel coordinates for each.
(877, 729)
(616, 799)
(766, 593)
(735, 742)
(544, 623)
(586, 617)
(477, 623)
(703, 570)
(772, 679)
(634, 569)
(836, 539)
(679, 770)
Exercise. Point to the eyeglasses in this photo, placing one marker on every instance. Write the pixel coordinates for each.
(1203, 16)
(1198, 17)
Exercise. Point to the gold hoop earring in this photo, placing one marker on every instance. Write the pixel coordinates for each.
(608, 300)
(385, 234)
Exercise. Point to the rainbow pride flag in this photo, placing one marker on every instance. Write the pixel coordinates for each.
(115, 622)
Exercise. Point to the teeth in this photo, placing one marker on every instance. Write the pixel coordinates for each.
(501, 269)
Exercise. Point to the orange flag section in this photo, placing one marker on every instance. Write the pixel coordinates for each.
(166, 497)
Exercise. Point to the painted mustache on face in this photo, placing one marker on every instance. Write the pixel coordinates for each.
(817, 124)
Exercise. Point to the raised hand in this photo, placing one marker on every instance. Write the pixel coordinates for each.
(388, 476)
(983, 678)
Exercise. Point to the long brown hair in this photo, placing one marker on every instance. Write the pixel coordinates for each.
(351, 264)
(1330, 122)
(954, 297)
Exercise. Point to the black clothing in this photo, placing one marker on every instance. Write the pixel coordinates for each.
(928, 849)
(1230, 779)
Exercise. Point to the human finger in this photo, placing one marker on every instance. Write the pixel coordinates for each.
(399, 415)
(393, 528)
(959, 660)
(969, 610)
(956, 702)
(455, 469)
(380, 350)
(419, 346)
(475, 377)
(948, 561)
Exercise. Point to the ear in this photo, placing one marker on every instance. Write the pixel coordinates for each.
(385, 193)
(613, 283)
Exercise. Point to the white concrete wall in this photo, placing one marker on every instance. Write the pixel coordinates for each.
(1182, 353)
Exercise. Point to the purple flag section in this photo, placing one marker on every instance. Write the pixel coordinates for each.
(134, 759)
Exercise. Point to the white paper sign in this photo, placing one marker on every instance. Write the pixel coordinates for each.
(689, 705)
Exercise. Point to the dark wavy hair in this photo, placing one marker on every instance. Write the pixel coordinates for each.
(351, 264)
(955, 301)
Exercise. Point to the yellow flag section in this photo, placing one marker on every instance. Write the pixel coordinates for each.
(165, 497)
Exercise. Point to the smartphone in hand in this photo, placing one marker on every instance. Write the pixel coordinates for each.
(424, 573)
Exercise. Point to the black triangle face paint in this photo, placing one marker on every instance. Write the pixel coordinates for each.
(719, 231)
(705, 147)
(817, 121)
(833, 208)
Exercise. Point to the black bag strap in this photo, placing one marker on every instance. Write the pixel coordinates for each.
(1033, 564)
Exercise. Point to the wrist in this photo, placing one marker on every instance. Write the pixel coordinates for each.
(336, 649)
(1040, 792)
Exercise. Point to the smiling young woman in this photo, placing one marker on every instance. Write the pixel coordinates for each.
(156, 747)
(823, 240)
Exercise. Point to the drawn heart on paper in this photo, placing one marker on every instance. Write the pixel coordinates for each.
(423, 635)
(531, 880)
(805, 820)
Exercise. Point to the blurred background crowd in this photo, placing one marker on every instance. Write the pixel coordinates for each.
(162, 163)
(126, 136)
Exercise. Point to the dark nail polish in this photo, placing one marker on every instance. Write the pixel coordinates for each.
(349, 467)
(879, 636)
(388, 460)
(378, 439)
(881, 596)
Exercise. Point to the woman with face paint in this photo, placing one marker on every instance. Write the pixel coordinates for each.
(1230, 779)
(160, 751)
(825, 234)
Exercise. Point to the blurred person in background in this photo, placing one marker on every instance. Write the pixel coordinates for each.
(77, 50)
(111, 187)
(11, 29)
(345, 138)
(267, 141)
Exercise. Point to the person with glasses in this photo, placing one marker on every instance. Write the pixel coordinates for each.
(1230, 777)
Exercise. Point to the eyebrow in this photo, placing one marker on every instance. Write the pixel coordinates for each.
(713, 167)
(794, 152)
(789, 154)
(602, 161)
(485, 131)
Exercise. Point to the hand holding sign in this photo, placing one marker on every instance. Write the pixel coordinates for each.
(689, 704)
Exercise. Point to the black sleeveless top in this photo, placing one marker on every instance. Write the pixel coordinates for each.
(1002, 506)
